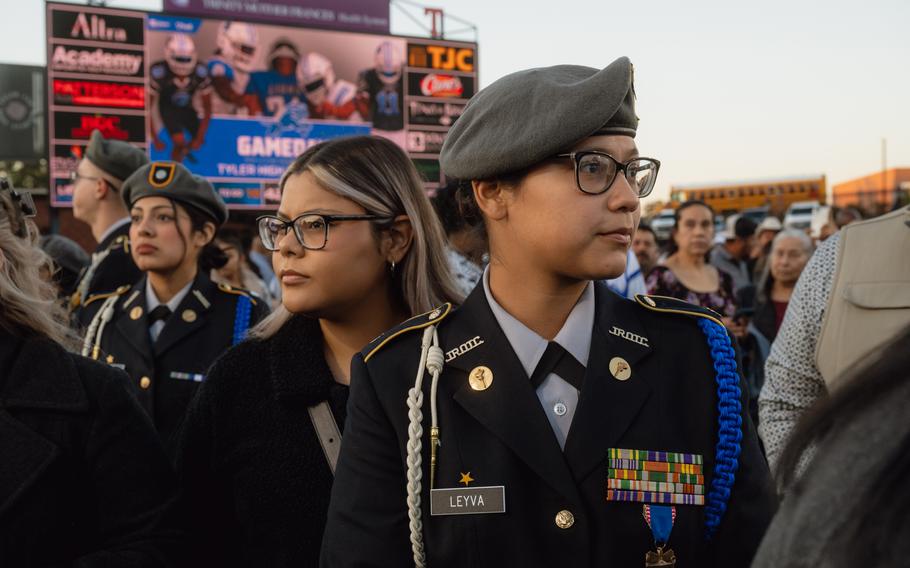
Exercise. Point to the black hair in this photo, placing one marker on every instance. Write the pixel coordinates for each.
(868, 534)
(744, 227)
(672, 247)
(647, 229)
(210, 257)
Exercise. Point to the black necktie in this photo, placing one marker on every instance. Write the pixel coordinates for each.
(557, 360)
(160, 313)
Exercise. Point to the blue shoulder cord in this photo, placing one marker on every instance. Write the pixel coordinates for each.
(241, 318)
(729, 424)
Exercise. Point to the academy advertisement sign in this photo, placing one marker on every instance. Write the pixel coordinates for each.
(236, 102)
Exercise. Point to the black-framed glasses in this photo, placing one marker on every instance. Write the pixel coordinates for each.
(596, 171)
(76, 176)
(311, 229)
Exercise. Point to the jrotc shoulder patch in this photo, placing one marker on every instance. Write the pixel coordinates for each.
(118, 292)
(161, 174)
(432, 317)
(670, 305)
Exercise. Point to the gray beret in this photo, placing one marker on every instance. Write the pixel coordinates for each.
(173, 181)
(531, 115)
(115, 158)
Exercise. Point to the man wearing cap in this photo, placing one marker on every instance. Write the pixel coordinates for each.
(733, 254)
(764, 237)
(166, 328)
(547, 421)
(97, 181)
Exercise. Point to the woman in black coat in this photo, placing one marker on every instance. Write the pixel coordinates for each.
(84, 480)
(358, 249)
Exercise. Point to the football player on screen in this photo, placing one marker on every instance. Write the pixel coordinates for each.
(175, 82)
(327, 96)
(380, 89)
(230, 66)
(270, 91)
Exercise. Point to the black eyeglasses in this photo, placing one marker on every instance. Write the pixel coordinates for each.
(596, 171)
(311, 229)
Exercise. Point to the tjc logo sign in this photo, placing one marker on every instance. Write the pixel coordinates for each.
(444, 58)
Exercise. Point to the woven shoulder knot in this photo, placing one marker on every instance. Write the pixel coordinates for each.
(670, 305)
(432, 317)
(118, 292)
(228, 289)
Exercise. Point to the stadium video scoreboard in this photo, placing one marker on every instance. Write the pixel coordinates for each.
(236, 101)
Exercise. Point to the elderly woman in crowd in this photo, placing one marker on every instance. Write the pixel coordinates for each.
(790, 251)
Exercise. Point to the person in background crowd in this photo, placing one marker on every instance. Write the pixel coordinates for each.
(849, 506)
(547, 380)
(843, 216)
(237, 271)
(467, 242)
(631, 282)
(686, 274)
(849, 299)
(262, 260)
(84, 480)
(733, 255)
(97, 180)
(358, 249)
(761, 250)
(822, 225)
(790, 251)
(69, 262)
(168, 327)
(646, 249)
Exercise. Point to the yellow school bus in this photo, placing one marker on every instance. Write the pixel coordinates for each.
(732, 197)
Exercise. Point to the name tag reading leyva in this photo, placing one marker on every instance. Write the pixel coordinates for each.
(468, 500)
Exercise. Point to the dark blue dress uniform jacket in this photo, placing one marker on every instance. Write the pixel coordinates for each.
(165, 374)
(502, 437)
(114, 270)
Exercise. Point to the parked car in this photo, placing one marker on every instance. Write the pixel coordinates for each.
(799, 214)
(662, 224)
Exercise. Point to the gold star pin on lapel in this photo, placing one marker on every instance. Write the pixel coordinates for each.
(466, 478)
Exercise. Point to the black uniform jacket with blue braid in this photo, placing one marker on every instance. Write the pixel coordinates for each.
(165, 374)
(501, 436)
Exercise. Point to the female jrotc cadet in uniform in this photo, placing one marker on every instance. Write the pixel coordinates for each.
(167, 328)
(547, 421)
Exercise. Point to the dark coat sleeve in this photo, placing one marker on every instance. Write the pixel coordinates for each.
(202, 500)
(367, 520)
(133, 483)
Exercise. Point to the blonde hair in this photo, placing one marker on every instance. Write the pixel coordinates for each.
(28, 302)
(377, 175)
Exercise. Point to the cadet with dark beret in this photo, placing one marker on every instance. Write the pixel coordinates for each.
(547, 421)
(166, 328)
(97, 181)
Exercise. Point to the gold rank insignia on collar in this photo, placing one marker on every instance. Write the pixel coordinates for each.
(666, 304)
